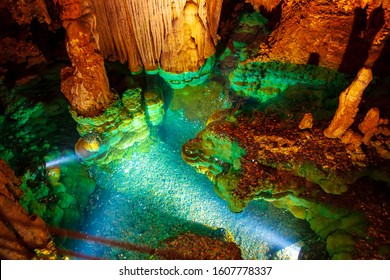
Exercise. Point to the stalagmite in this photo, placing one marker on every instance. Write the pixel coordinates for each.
(370, 124)
(348, 104)
(306, 122)
(85, 84)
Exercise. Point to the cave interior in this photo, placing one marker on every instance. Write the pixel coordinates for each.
(194, 129)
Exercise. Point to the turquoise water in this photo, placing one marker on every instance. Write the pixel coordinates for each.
(156, 195)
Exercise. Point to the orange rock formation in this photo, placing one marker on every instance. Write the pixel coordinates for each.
(20, 233)
(349, 105)
(23, 12)
(85, 84)
(329, 33)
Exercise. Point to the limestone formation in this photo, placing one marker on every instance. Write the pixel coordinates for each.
(20, 51)
(198, 247)
(264, 81)
(189, 42)
(349, 101)
(107, 137)
(85, 84)
(183, 34)
(250, 156)
(329, 33)
(154, 107)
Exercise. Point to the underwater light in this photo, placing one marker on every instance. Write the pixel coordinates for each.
(290, 252)
(61, 160)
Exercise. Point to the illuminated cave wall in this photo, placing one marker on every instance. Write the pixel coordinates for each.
(333, 34)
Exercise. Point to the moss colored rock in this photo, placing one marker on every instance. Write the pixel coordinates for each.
(340, 245)
(265, 80)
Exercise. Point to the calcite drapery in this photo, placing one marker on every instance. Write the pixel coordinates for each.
(188, 44)
(176, 36)
(85, 84)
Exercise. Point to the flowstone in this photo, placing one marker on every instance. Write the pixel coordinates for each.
(125, 123)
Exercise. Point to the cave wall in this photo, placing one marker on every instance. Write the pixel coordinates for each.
(339, 35)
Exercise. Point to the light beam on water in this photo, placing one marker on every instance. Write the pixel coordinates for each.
(156, 192)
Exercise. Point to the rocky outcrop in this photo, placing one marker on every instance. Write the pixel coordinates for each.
(250, 156)
(22, 236)
(23, 12)
(200, 247)
(269, 5)
(264, 81)
(20, 52)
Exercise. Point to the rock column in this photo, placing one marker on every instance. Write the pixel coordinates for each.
(85, 83)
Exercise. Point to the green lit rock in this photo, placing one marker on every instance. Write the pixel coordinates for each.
(244, 41)
(104, 138)
(340, 245)
(180, 80)
(55, 215)
(384, 251)
(271, 160)
(72, 217)
(38, 208)
(65, 200)
(266, 80)
(154, 107)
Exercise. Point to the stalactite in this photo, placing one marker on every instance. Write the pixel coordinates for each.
(149, 34)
